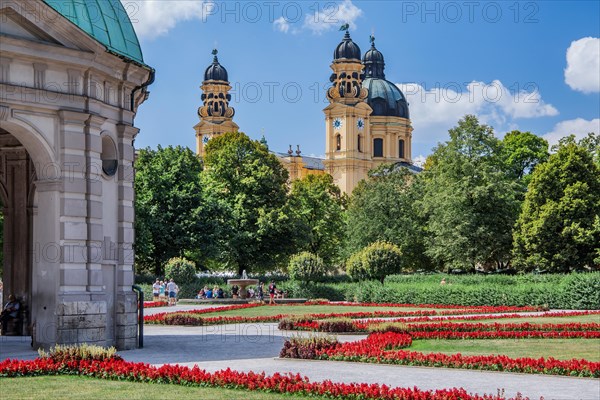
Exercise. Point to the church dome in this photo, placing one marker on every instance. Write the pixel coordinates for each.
(105, 21)
(373, 62)
(215, 71)
(347, 49)
(385, 98)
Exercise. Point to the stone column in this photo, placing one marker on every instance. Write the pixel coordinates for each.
(126, 302)
(81, 318)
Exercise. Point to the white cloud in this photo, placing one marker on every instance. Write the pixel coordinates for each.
(419, 160)
(328, 16)
(579, 127)
(332, 16)
(153, 18)
(434, 111)
(583, 65)
(282, 25)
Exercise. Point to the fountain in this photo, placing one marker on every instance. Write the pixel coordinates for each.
(243, 282)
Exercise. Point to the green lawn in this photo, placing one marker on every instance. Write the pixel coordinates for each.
(536, 320)
(82, 388)
(301, 310)
(564, 349)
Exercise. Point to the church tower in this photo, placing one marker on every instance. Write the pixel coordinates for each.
(348, 137)
(216, 116)
(390, 126)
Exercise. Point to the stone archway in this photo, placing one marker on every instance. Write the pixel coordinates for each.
(17, 190)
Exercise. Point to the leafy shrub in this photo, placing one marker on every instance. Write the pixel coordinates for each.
(355, 267)
(375, 261)
(333, 292)
(287, 324)
(306, 348)
(396, 327)
(582, 291)
(180, 270)
(183, 319)
(306, 267)
(337, 325)
(65, 353)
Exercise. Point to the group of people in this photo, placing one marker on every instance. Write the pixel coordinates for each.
(218, 293)
(165, 289)
(208, 293)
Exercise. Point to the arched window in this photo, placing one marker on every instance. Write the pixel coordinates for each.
(338, 142)
(110, 163)
(378, 147)
(359, 143)
(401, 148)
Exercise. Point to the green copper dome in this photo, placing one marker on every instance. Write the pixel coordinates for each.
(104, 20)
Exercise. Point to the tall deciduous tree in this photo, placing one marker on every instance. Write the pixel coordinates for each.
(383, 208)
(558, 229)
(318, 206)
(249, 185)
(521, 152)
(470, 202)
(171, 216)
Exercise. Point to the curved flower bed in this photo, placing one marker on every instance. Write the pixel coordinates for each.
(118, 369)
(194, 318)
(383, 348)
(443, 323)
(506, 335)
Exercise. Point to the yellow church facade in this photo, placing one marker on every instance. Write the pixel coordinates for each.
(366, 123)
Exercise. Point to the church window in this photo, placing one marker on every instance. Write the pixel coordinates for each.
(108, 156)
(401, 148)
(359, 143)
(338, 142)
(378, 147)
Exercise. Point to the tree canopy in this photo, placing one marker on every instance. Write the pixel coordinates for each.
(318, 207)
(384, 208)
(248, 185)
(171, 215)
(559, 229)
(469, 201)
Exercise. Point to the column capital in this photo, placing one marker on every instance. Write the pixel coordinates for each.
(127, 131)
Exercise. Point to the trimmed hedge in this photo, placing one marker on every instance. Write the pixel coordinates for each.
(578, 291)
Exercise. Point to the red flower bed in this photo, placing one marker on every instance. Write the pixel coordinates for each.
(438, 321)
(382, 348)
(118, 369)
(187, 317)
(153, 304)
(506, 335)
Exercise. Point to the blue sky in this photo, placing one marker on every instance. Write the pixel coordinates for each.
(517, 65)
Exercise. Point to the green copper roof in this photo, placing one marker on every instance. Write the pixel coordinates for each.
(104, 20)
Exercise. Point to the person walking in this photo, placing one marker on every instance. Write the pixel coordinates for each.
(261, 291)
(272, 291)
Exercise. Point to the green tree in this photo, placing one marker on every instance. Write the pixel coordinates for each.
(558, 228)
(307, 267)
(375, 261)
(171, 216)
(469, 201)
(521, 152)
(384, 208)
(249, 185)
(180, 270)
(318, 207)
(591, 143)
